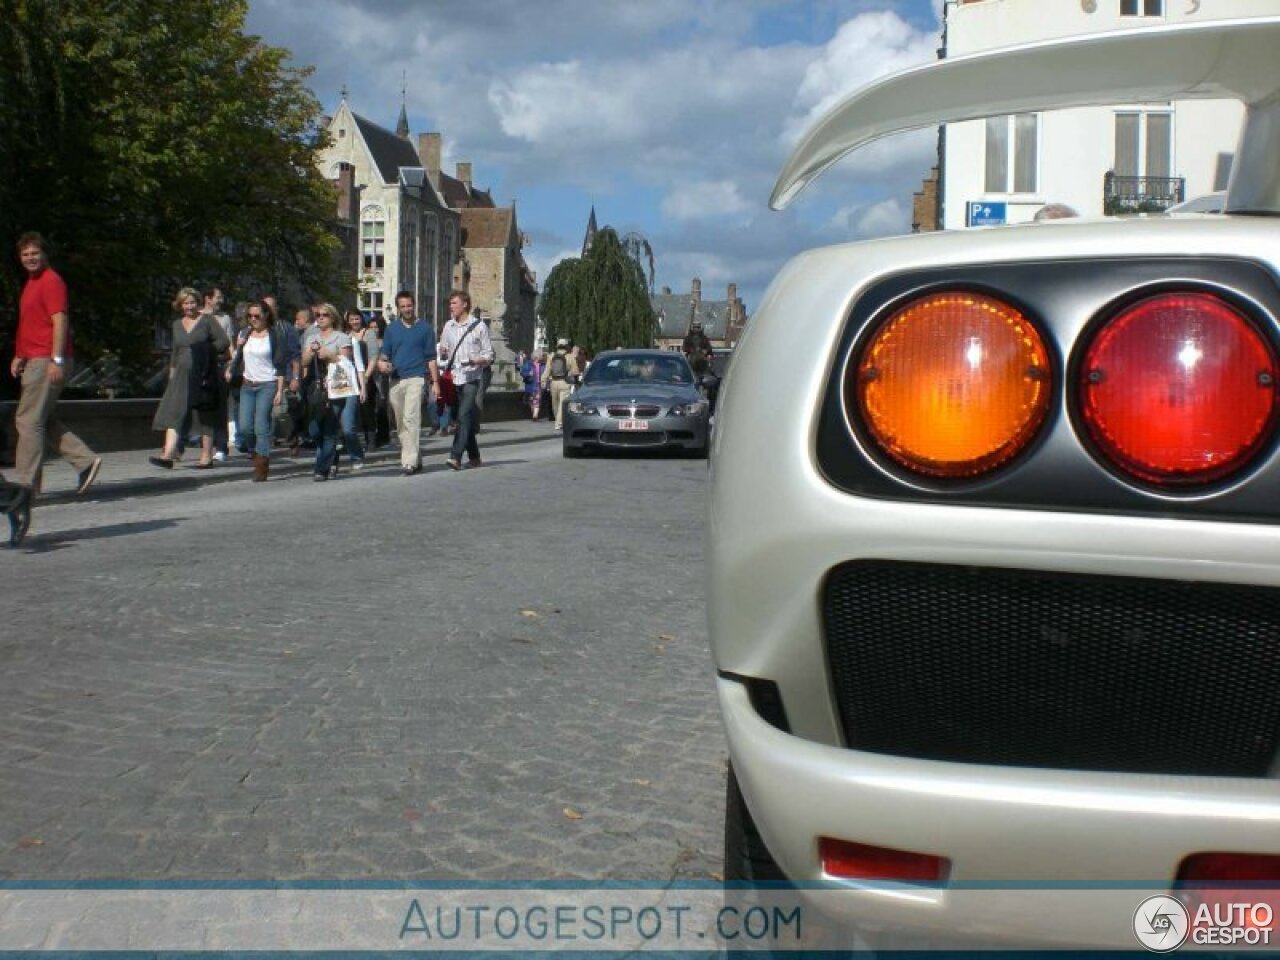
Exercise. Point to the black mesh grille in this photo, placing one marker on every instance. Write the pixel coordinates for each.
(634, 438)
(1052, 670)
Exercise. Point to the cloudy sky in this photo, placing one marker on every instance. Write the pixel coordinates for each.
(672, 116)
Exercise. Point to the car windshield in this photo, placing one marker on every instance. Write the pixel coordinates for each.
(642, 368)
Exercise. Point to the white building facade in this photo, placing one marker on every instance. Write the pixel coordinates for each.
(409, 239)
(1130, 158)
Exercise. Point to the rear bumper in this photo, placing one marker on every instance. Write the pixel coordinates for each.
(1038, 857)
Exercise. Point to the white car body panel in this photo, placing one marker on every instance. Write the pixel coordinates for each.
(778, 526)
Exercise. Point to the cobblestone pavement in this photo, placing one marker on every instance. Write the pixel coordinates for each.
(498, 674)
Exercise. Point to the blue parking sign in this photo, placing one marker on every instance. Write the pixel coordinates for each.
(986, 213)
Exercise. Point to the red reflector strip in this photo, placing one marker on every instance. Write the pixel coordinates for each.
(1232, 891)
(860, 861)
(1215, 868)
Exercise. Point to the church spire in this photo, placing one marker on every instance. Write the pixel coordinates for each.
(402, 125)
(592, 229)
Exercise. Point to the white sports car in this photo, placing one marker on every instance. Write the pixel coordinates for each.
(995, 605)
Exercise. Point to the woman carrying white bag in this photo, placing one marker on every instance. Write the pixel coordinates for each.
(331, 349)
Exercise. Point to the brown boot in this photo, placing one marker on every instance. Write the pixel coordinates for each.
(261, 466)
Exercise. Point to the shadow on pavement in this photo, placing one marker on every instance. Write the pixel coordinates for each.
(37, 542)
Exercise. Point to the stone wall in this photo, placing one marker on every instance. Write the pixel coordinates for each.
(112, 425)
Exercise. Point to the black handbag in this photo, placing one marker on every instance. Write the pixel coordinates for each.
(205, 392)
(317, 395)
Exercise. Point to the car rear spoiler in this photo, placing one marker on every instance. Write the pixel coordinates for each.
(1218, 59)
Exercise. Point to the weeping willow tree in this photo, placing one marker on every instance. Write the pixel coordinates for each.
(638, 249)
(599, 301)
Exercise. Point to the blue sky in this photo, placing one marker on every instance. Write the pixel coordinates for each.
(672, 116)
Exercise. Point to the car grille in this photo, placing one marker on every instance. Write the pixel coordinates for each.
(1053, 670)
(642, 411)
(633, 438)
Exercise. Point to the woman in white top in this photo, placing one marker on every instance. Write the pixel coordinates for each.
(261, 355)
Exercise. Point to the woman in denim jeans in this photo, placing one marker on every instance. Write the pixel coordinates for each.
(327, 348)
(259, 363)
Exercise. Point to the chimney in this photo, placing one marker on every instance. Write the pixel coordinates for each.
(347, 197)
(429, 156)
(733, 292)
(464, 174)
(697, 290)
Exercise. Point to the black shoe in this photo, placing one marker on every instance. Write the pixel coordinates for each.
(165, 463)
(19, 517)
(88, 475)
(320, 477)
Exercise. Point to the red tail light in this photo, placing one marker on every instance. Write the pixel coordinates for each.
(1179, 389)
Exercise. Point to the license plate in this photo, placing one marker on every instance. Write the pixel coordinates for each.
(633, 424)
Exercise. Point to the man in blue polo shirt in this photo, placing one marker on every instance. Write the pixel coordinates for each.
(408, 355)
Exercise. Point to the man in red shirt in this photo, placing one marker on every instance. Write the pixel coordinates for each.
(42, 358)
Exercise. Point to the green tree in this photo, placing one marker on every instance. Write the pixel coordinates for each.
(156, 145)
(601, 300)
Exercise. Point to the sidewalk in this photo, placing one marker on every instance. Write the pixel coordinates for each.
(127, 473)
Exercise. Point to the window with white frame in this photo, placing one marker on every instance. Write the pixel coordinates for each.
(448, 254)
(430, 269)
(409, 254)
(371, 301)
(1144, 144)
(1142, 8)
(1012, 145)
(373, 234)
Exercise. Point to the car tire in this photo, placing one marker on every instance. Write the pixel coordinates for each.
(571, 452)
(746, 857)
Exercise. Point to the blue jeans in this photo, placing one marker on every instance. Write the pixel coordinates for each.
(468, 420)
(253, 428)
(348, 411)
(323, 429)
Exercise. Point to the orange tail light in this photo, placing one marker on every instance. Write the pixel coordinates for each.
(954, 384)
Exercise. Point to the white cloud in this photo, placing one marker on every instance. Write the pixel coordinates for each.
(865, 48)
(704, 199)
(673, 115)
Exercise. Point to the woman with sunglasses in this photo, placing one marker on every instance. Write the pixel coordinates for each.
(258, 366)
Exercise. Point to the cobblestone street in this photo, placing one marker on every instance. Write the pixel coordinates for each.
(499, 674)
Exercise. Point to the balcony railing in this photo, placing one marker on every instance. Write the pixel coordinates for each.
(1141, 194)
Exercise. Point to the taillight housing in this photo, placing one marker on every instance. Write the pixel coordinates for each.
(953, 384)
(1178, 389)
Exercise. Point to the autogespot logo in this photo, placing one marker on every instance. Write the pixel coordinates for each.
(1161, 924)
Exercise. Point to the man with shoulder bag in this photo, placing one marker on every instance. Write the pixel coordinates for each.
(468, 353)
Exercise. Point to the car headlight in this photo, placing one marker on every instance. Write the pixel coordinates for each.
(694, 409)
(577, 407)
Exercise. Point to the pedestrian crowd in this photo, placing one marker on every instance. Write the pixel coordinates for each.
(329, 381)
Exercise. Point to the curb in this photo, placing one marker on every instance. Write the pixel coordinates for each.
(239, 470)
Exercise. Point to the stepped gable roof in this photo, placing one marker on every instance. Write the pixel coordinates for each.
(389, 152)
(484, 227)
(675, 313)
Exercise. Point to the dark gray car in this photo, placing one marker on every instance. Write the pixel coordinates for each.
(637, 398)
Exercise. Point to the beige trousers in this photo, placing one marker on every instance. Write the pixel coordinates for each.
(560, 390)
(40, 430)
(406, 407)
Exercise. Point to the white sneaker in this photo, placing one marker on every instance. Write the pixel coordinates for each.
(219, 456)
